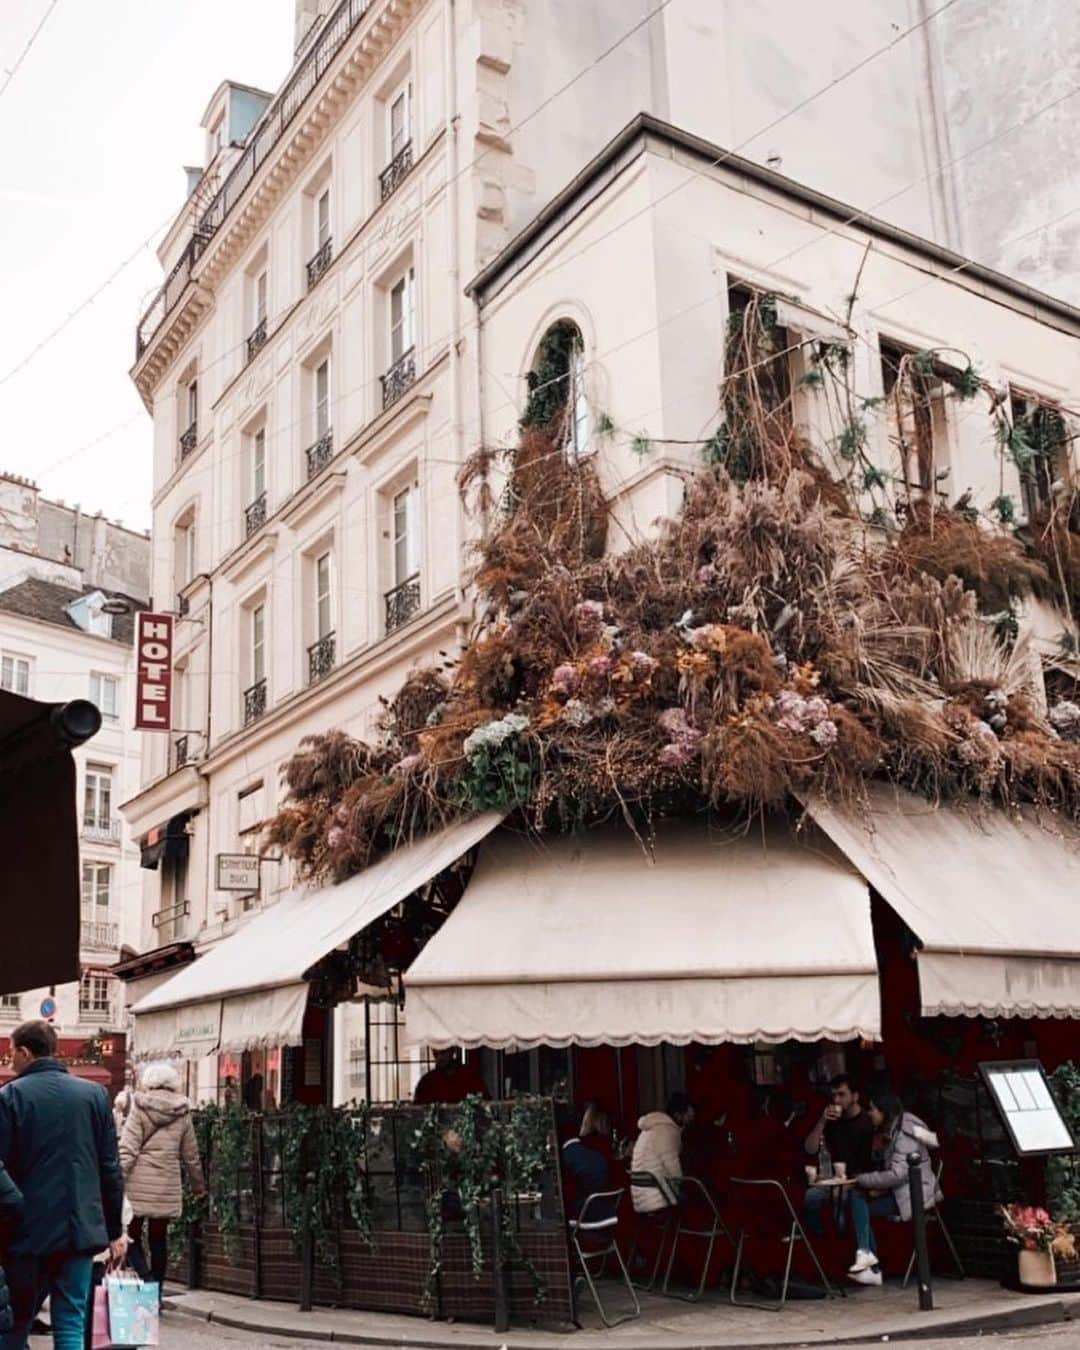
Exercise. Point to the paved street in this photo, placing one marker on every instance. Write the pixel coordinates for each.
(1061, 1337)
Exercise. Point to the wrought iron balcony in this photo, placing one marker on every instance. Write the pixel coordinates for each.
(255, 515)
(320, 657)
(399, 378)
(101, 829)
(170, 922)
(402, 602)
(321, 261)
(320, 454)
(257, 339)
(181, 752)
(99, 937)
(188, 440)
(254, 701)
(395, 172)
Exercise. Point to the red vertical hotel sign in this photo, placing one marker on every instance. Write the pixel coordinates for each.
(153, 671)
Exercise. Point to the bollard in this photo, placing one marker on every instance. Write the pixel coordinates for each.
(307, 1248)
(498, 1263)
(918, 1228)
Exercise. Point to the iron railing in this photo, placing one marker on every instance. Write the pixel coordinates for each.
(254, 701)
(256, 339)
(101, 829)
(319, 263)
(172, 915)
(95, 936)
(320, 454)
(189, 440)
(399, 378)
(271, 128)
(181, 752)
(183, 604)
(402, 602)
(255, 515)
(395, 172)
(320, 657)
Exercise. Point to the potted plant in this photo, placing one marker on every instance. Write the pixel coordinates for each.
(1039, 1238)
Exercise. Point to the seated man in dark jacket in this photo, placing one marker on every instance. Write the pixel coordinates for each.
(58, 1141)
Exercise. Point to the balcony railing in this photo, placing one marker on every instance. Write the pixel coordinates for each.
(395, 172)
(321, 261)
(254, 701)
(402, 602)
(189, 440)
(275, 121)
(255, 515)
(399, 378)
(183, 752)
(170, 923)
(101, 829)
(320, 454)
(257, 339)
(99, 937)
(320, 657)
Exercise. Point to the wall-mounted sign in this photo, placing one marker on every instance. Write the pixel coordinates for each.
(48, 1008)
(153, 671)
(1031, 1115)
(238, 872)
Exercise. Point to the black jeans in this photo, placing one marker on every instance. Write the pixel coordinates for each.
(157, 1231)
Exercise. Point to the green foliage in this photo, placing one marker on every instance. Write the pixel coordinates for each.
(641, 446)
(872, 402)
(230, 1150)
(966, 383)
(498, 777)
(1005, 507)
(813, 378)
(331, 1145)
(1013, 439)
(873, 477)
(549, 380)
(1006, 625)
(924, 362)
(852, 439)
(1063, 1169)
(604, 425)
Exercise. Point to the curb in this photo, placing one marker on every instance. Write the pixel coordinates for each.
(1042, 1314)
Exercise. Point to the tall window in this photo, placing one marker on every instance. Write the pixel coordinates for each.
(579, 406)
(258, 464)
(322, 218)
(258, 644)
(399, 123)
(406, 534)
(96, 891)
(324, 620)
(184, 553)
(103, 692)
(15, 673)
(94, 995)
(260, 297)
(322, 399)
(192, 403)
(1039, 448)
(402, 316)
(915, 414)
(97, 796)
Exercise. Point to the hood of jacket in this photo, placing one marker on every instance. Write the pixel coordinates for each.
(655, 1118)
(162, 1106)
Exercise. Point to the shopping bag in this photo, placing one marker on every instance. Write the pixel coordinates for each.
(133, 1310)
(99, 1325)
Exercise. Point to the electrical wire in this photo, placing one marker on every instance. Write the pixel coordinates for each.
(13, 70)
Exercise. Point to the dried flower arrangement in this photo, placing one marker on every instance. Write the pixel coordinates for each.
(1033, 1230)
(771, 640)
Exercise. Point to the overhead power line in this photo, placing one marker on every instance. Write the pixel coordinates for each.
(12, 71)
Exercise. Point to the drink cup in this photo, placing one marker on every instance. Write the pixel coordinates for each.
(811, 1174)
(840, 1171)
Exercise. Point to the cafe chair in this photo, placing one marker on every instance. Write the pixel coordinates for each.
(660, 1219)
(593, 1238)
(933, 1216)
(693, 1195)
(774, 1218)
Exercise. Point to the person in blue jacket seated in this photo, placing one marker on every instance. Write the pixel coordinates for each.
(586, 1160)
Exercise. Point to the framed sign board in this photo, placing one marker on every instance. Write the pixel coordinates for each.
(1022, 1095)
(238, 872)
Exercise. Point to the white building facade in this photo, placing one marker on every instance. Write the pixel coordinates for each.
(317, 375)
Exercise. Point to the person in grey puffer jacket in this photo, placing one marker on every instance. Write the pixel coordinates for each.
(887, 1193)
(157, 1146)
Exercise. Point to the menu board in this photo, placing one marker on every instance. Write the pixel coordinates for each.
(1021, 1093)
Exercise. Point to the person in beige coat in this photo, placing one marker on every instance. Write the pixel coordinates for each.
(157, 1146)
(657, 1150)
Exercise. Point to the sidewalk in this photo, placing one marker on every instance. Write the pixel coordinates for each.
(965, 1307)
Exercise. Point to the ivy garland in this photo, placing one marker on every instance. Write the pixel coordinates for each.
(230, 1152)
(332, 1145)
(548, 381)
(195, 1209)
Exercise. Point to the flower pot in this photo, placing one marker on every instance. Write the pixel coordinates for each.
(1036, 1268)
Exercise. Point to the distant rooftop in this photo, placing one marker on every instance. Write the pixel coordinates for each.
(49, 602)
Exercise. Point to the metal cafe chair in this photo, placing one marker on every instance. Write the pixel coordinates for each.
(775, 1218)
(593, 1238)
(693, 1195)
(648, 1181)
(933, 1216)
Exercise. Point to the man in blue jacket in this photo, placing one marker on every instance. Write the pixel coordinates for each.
(58, 1142)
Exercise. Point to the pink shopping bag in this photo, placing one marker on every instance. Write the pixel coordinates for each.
(99, 1327)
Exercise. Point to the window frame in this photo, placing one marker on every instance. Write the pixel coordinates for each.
(103, 681)
(1037, 495)
(260, 294)
(93, 981)
(401, 96)
(258, 463)
(98, 783)
(257, 638)
(320, 401)
(323, 565)
(404, 326)
(16, 661)
(91, 890)
(408, 535)
(323, 222)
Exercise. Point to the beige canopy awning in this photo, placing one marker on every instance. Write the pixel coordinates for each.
(248, 992)
(991, 895)
(588, 941)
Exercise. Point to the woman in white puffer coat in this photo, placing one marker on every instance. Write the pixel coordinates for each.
(657, 1150)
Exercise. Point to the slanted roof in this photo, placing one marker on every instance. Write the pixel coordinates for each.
(47, 601)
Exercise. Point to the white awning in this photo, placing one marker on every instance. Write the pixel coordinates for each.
(587, 941)
(256, 976)
(991, 894)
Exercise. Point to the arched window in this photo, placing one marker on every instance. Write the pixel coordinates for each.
(557, 393)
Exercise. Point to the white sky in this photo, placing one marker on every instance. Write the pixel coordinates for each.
(94, 129)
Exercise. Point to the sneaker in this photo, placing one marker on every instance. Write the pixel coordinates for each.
(872, 1275)
(863, 1261)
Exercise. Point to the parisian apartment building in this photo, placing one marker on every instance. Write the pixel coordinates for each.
(364, 271)
(59, 568)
